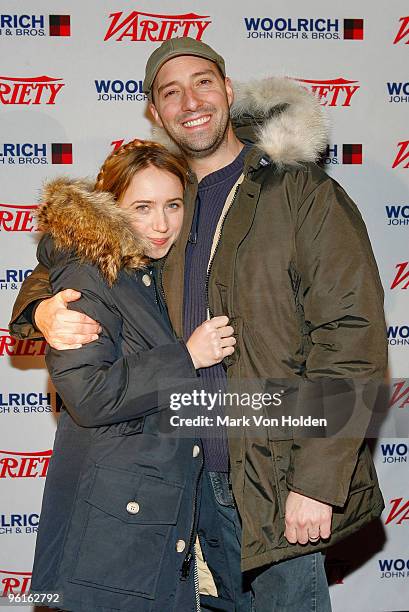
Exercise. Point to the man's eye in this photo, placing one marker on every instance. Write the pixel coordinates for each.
(174, 205)
(205, 81)
(169, 93)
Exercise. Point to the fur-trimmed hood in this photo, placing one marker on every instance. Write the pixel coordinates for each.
(279, 116)
(90, 224)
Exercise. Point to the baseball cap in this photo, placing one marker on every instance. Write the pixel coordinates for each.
(173, 48)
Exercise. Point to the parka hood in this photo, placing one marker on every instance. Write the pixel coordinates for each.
(277, 115)
(90, 224)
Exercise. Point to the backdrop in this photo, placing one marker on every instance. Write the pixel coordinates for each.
(70, 91)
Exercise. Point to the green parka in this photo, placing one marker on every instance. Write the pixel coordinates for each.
(293, 270)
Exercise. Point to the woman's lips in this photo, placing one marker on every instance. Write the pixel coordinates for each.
(158, 241)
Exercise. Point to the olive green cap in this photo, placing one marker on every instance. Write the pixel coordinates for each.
(173, 48)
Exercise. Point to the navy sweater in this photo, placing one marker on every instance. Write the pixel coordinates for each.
(212, 193)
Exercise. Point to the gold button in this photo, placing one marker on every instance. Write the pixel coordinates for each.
(180, 545)
(132, 507)
(196, 450)
(146, 279)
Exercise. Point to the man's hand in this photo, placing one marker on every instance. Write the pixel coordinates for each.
(306, 519)
(62, 328)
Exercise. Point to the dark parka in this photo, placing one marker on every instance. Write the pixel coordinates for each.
(295, 273)
(118, 503)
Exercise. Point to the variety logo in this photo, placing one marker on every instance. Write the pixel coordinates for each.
(399, 511)
(343, 154)
(20, 348)
(17, 218)
(400, 395)
(401, 279)
(332, 92)
(395, 453)
(394, 568)
(29, 403)
(115, 144)
(34, 90)
(14, 583)
(117, 90)
(18, 523)
(398, 335)
(137, 26)
(34, 25)
(24, 465)
(398, 92)
(12, 279)
(402, 155)
(403, 32)
(314, 29)
(397, 214)
(36, 153)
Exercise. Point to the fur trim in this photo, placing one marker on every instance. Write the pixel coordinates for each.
(91, 224)
(288, 121)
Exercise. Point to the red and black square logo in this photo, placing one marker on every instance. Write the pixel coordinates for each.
(60, 25)
(354, 29)
(61, 153)
(352, 154)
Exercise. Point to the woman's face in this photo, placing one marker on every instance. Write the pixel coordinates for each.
(155, 198)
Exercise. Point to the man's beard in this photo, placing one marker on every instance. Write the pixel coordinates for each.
(202, 145)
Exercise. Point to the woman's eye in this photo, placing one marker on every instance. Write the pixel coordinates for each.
(142, 208)
(174, 205)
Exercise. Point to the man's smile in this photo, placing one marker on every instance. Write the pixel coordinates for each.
(196, 122)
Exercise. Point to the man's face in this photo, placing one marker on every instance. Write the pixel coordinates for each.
(192, 102)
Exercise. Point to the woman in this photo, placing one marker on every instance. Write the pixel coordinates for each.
(117, 522)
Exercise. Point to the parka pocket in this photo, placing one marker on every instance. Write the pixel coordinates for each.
(124, 537)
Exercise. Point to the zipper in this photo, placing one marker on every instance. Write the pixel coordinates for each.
(196, 579)
(209, 267)
(187, 562)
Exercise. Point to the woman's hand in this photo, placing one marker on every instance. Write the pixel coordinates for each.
(211, 342)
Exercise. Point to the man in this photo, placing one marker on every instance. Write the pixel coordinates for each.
(276, 245)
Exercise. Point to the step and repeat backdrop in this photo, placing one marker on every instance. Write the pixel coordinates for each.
(71, 91)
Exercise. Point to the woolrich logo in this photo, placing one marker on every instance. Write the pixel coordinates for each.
(397, 214)
(403, 32)
(304, 28)
(402, 157)
(395, 453)
(30, 402)
(11, 279)
(24, 465)
(16, 218)
(332, 92)
(29, 90)
(141, 27)
(14, 583)
(35, 25)
(398, 92)
(18, 523)
(119, 91)
(35, 153)
(343, 154)
(10, 347)
(394, 568)
(398, 335)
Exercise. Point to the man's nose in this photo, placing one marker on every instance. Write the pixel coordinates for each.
(190, 102)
